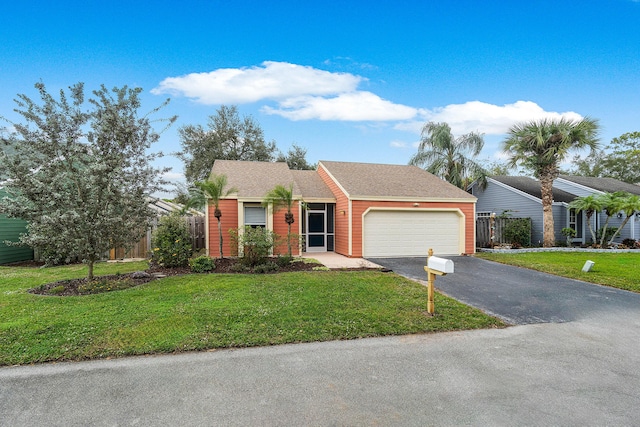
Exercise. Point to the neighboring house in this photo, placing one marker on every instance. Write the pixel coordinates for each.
(354, 209)
(586, 185)
(520, 197)
(10, 230)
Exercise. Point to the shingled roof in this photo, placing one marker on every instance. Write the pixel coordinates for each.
(255, 179)
(607, 185)
(391, 181)
(532, 187)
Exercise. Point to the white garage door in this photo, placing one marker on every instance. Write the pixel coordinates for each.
(411, 233)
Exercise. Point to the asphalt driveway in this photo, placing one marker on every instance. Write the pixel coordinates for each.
(518, 295)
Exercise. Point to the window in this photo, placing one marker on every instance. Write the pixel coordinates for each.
(255, 216)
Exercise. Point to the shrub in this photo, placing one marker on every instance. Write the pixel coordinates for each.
(202, 264)
(267, 267)
(256, 244)
(610, 232)
(284, 260)
(517, 231)
(171, 242)
(631, 243)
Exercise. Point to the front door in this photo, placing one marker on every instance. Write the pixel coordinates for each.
(316, 231)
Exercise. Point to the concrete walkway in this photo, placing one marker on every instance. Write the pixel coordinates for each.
(334, 260)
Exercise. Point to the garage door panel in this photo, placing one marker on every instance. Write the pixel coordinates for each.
(411, 233)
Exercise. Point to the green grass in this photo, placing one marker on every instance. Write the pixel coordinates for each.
(618, 270)
(200, 311)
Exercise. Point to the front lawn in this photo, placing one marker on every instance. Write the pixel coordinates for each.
(206, 311)
(619, 270)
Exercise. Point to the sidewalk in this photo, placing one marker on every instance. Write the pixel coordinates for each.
(334, 260)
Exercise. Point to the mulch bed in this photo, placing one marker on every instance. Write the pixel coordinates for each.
(82, 286)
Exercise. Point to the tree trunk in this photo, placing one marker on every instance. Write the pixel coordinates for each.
(220, 233)
(289, 239)
(593, 233)
(619, 230)
(90, 265)
(546, 189)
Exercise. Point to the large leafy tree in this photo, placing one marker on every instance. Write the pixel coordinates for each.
(620, 160)
(296, 158)
(227, 137)
(81, 171)
(450, 158)
(541, 146)
(281, 197)
(213, 189)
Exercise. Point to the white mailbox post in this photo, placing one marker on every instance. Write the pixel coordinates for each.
(435, 266)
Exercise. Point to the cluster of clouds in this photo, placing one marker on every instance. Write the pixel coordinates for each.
(298, 92)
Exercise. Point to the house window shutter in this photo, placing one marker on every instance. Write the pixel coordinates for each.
(255, 216)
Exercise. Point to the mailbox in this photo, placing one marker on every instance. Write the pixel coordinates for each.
(440, 264)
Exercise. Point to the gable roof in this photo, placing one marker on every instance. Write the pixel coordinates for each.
(255, 179)
(607, 185)
(371, 180)
(532, 187)
(311, 185)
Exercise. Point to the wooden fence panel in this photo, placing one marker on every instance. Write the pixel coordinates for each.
(142, 249)
(483, 231)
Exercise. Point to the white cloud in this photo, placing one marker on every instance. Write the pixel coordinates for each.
(173, 176)
(351, 106)
(398, 144)
(489, 119)
(298, 92)
(270, 81)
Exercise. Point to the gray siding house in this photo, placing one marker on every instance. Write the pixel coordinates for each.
(520, 197)
(585, 185)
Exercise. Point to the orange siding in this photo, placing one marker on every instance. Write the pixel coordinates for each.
(280, 228)
(229, 219)
(360, 206)
(341, 221)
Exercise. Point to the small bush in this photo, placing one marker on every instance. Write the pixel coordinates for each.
(171, 242)
(239, 268)
(517, 231)
(610, 231)
(267, 267)
(256, 244)
(202, 264)
(284, 260)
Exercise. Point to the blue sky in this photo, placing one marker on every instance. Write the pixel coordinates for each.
(350, 81)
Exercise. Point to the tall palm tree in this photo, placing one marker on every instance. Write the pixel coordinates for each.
(541, 146)
(212, 189)
(630, 205)
(589, 204)
(282, 197)
(448, 157)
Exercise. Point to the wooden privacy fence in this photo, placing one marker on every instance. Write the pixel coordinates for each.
(142, 249)
(483, 230)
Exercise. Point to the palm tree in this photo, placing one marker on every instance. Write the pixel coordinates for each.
(589, 204)
(541, 146)
(611, 204)
(282, 197)
(212, 189)
(630, 205)
(448, 157)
